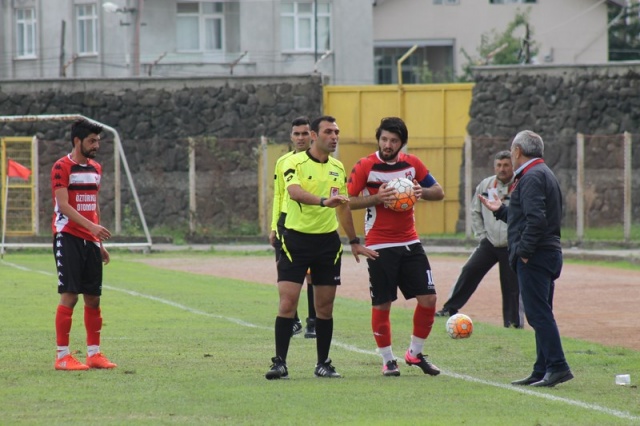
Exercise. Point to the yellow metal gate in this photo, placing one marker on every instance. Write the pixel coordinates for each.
(18, 195)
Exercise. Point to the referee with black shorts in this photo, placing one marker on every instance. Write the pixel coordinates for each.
(316, 183)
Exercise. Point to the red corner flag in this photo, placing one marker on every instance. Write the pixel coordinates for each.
(18, 170)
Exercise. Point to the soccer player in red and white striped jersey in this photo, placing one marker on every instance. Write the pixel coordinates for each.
(77, 244)
(402, 263)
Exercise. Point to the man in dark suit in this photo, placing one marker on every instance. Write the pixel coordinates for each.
(533, 217)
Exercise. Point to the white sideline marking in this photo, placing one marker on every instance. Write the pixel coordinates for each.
(616, 413)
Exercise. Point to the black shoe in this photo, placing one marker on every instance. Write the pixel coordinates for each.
(326, 370)
(391, 369)
(446, 312)
(310, 331)
(421, 361)
(527, 380)
(297, 328)
(278, 369)
(551, 379)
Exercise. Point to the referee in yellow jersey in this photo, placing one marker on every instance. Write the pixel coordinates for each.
(316, 183)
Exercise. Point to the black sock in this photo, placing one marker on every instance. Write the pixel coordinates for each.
(284, 327)
(310, 301)
(324, 334)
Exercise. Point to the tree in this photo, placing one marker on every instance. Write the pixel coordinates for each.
(624, 32)
(504, 48)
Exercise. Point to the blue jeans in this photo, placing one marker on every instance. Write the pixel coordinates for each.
(536, 279)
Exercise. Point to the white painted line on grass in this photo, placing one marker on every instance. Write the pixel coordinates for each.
(616, 413)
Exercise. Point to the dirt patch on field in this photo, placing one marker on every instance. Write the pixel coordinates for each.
(593, 303)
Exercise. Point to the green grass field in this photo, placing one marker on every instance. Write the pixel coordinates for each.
(193, 349)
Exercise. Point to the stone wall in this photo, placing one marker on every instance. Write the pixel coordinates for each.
(155, 119)
(601, 102)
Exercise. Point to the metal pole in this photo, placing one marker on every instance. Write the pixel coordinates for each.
(35, 172)
(117, 186)
(580, 187)
(264, 223)
(468, 176)
(192, 186)
(400, 89)
(627, 186)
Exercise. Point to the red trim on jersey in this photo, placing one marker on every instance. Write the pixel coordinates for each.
(83, 183)
(384, 226)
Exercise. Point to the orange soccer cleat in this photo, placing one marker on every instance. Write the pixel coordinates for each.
(99, 361)
(68, 362)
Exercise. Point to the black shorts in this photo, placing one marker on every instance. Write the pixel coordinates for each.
(79, 265)
(404, 267)
(319, 253)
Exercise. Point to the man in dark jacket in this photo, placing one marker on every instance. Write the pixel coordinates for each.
(533, 217)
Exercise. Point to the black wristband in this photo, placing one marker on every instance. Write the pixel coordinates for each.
(356, 240)
(322, 200)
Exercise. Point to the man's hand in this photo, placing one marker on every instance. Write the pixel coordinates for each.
(492, 204)
(357, 249)
(336, 201)
(105, 255)
(386, 194)
(272, 238)
(100, 231)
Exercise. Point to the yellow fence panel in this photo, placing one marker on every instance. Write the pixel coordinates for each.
(436, 115)
(18, 196)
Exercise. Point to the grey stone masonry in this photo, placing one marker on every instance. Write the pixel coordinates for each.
(155, 119)
(600, 101)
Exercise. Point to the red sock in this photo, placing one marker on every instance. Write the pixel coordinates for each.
(93, 325)
(63, 325)
(423, 321)
(381, 326)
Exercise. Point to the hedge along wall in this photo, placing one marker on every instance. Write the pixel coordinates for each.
(155, 119)
(600, 101)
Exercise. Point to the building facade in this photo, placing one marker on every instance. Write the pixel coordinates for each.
(567, 32)
(177, 38)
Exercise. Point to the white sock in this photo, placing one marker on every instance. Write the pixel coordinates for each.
(92, 350)
(417, 345)
(63, 351)
(387, 354)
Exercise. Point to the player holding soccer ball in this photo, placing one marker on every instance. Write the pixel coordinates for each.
(403, 263)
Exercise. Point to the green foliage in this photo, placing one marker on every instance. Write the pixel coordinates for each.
(624, 32)
(193, 349)
(504, 48)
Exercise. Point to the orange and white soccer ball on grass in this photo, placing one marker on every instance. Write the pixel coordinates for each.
(404, 198)
(459, 326)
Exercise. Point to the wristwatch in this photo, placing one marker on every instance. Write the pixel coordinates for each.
(322, 200)
(356, 240)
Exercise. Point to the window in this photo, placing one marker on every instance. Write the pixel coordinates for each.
(87, 29)
(26, 33)
(428, 64)
(200, 26)
(512, 1)
(298, 29)
(446, 1)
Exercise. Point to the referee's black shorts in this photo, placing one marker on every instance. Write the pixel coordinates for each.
(79, 265)
(321, 253)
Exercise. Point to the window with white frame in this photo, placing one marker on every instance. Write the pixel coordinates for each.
(200, 26)
(25, 32)
(298, 29)
(87, 29)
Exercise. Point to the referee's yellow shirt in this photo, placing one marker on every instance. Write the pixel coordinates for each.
(280, 195)
(322, 179)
